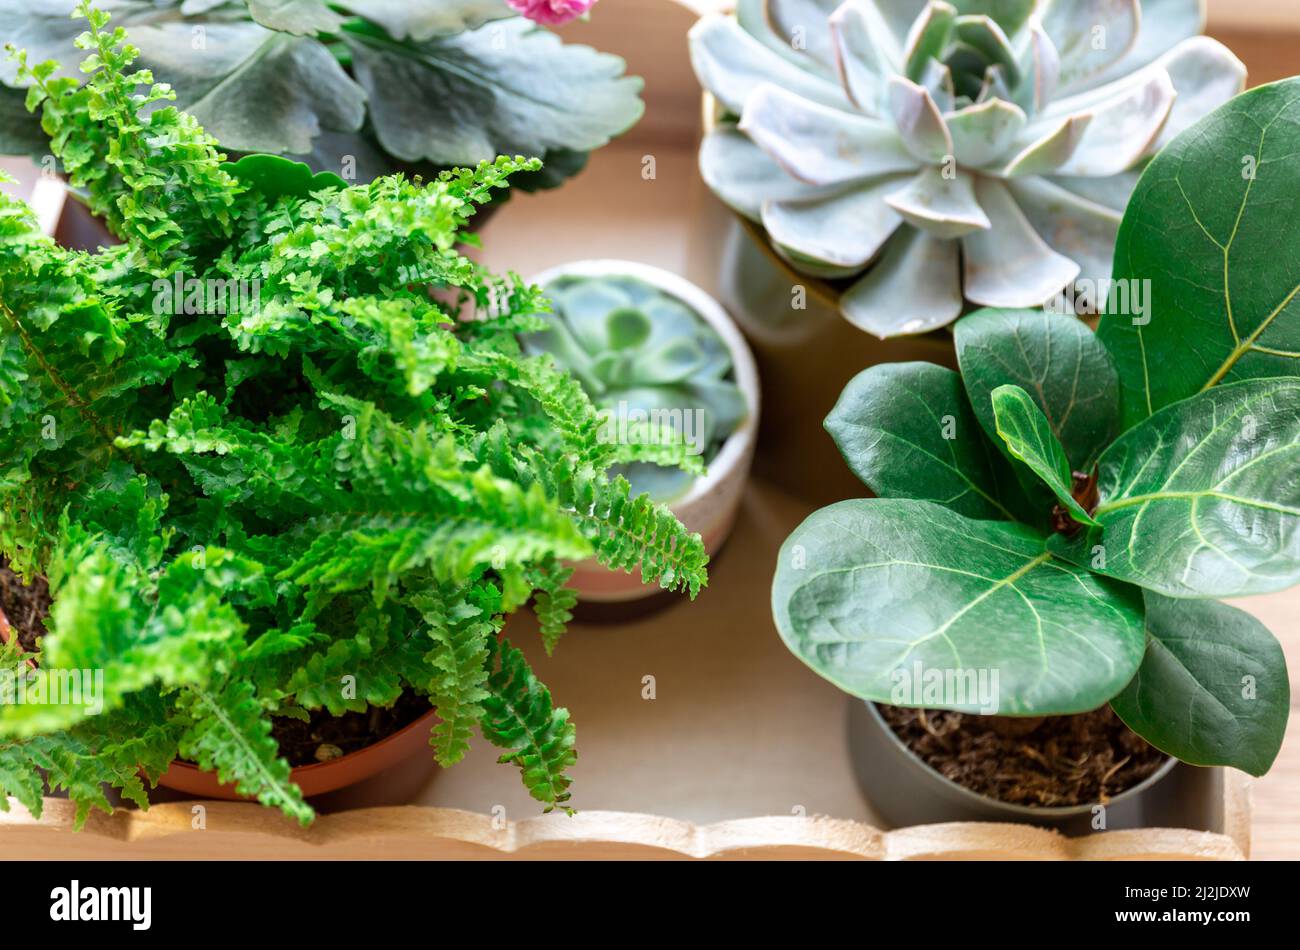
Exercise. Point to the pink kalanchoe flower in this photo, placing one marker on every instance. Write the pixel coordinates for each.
(552, 12)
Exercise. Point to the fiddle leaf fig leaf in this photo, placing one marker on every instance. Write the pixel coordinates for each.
(1206, 227)
(907, 431)
(1054, 358)
(1203, 498)
(1029, 437)
(1212, 688)
(506, 89)
(872, 592)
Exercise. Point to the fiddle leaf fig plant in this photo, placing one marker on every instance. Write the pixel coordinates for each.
(361, 88)
(1067, 525)
(650, 362)
(932, 153)
(280, 451)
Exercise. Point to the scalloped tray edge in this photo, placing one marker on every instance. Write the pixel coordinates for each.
(244, 830)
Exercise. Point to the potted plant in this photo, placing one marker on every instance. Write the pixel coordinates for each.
(1055, 523)
(280, 452)
(659, 358)
(901, 165)
(363, 88)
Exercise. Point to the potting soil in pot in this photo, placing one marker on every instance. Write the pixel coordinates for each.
(1052, 761)
(25, 607)
(324, 737)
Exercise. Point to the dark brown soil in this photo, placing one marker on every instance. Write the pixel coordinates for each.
(302, 743)
(25, 607)
(1052, 761)
(327, 737)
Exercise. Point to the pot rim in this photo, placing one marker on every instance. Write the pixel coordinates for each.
(315, 769)
(735, 450)
(1040, 811)
(318, 768)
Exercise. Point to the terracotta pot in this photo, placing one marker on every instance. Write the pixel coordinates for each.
(903, 790)
(312, 779)
(322, 777)
(710, 505)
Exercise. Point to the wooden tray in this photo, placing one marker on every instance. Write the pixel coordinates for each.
(742, 752)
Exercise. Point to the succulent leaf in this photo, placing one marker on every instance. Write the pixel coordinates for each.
(655, 368)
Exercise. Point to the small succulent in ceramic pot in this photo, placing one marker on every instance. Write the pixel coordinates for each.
(645, 357)
(933, 153)
(664, 365)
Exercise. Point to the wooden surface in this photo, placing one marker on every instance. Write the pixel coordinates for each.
(738, 728)
(408, 833)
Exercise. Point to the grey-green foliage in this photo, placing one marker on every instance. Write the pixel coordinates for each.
(362, 88)
(639, 350)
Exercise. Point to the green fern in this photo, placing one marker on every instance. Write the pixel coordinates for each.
(553, 604)
(359, 475)
(520, 717)
(461, 633)
(227, 731)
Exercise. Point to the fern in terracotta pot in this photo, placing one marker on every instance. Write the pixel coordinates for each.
(280, 451)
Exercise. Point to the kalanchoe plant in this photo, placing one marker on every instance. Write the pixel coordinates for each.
(239, 506)
(1067, 523)
(648, 361)
(360, 88)
(979, 149)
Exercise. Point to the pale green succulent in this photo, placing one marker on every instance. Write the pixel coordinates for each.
(638, 350)
(943, 152)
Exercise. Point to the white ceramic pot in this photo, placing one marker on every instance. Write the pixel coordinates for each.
(710, 505)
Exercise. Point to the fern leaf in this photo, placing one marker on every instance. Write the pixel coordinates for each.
(72, 765)
(553, 604)
(229, 732)
(459, 660)
(520, 717)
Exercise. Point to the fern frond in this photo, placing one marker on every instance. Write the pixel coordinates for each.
(156, 176)
(630, 533)
(82, 762)
(419, 502)
(461, 633)
(553, 604)
(227, 731)
(520, 717)
(114, 631)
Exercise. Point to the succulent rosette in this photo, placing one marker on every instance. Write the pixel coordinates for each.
(934, 153)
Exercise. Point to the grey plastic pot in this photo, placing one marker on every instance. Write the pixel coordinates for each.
(904, 791)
